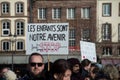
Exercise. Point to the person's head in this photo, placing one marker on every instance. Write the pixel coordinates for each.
(61, 70)
(36, 64)
(75, 64)
(94, 70)
(112, 71)
(10, 75)
(86, 64)
(118, 68)
(102, 76)
(3, 69)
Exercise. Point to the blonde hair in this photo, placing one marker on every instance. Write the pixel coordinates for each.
(112, 71)
(10, 75)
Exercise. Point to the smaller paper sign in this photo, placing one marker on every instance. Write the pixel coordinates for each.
(88, 51)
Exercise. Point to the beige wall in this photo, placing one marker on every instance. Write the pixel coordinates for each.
(12, 6)
(13, 17)
(114, 19)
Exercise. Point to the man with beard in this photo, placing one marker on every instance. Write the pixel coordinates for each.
(76, 68)
(35, 68)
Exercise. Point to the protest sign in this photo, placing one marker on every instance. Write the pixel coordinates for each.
(47, 38)
(88, 51)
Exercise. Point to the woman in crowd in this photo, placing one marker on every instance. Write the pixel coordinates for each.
(61, 70)
(111, 71)
(118, 68)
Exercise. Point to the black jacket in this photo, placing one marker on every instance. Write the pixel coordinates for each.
(28, 76)
(84, 73)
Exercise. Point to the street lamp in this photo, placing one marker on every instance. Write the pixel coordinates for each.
(13, 41)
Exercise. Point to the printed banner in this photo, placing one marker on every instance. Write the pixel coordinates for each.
(47, 38)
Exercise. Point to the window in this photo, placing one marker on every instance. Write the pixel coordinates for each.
(20, 28)
(56, 13)
(5, 28)
(118, 50)
(5, 45)
(107, 51)
(19, 8)
(20, 45)
(85, 34)
(106, 31)
(119, 32)
(106, 9)
(5, 8)
(70, 13)
(85, 13)
(72, 37)
(42, 13)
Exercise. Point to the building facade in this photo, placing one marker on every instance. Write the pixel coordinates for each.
(95, 21)
(108, 30)
(13, 21)
(80, 14)
(15, 14)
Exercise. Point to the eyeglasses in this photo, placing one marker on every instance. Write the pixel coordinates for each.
(34, 64)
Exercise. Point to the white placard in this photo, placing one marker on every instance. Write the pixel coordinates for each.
(47, 38)
(88, 51)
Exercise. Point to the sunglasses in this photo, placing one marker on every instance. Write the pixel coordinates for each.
(38, 64)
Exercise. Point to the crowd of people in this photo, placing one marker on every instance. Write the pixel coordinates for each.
(63, 69)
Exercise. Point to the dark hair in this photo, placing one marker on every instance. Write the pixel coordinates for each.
(37, 54)
(96, 70)
(102, 75)
(73, 62)
(85, 62)
(60, 66)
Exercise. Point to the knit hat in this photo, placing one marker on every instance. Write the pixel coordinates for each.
(10, 75)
